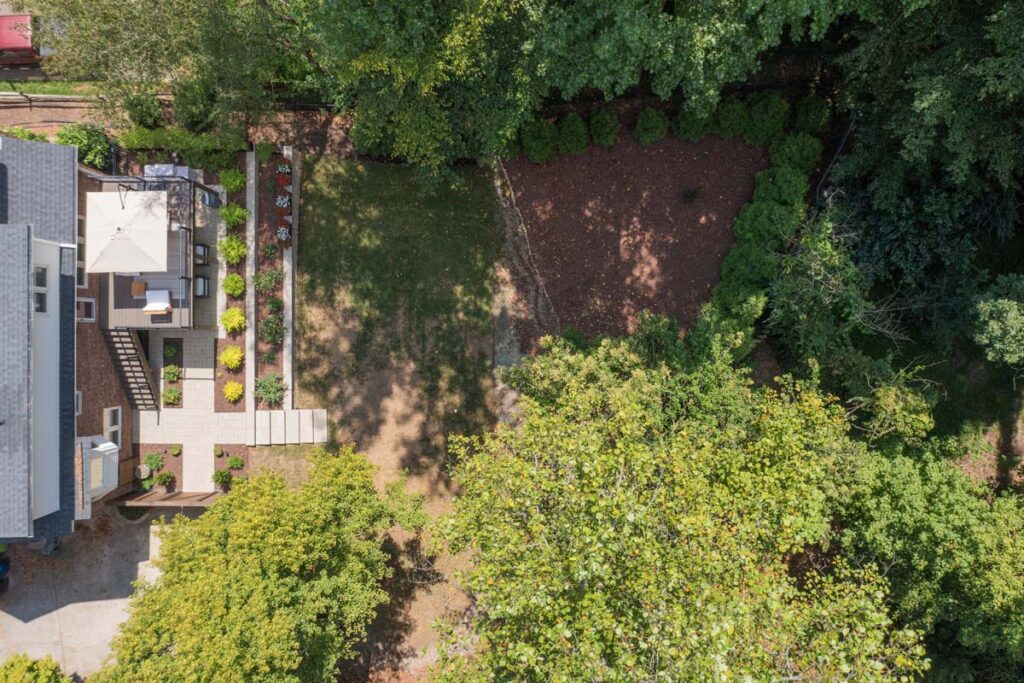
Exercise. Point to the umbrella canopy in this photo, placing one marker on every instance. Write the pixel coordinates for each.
(126, 232)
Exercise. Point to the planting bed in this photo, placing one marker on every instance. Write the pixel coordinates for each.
(174, 354)
(172, 463)
(273, 183)
(222, 376)
(614, 232)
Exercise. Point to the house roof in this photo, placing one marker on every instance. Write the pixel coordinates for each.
(38, 200)
(16, 387)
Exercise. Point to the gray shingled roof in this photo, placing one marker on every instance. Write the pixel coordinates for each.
(38, 193)
(15, 389)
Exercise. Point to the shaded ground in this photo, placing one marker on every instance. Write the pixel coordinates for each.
(395, 338)
(612, 234)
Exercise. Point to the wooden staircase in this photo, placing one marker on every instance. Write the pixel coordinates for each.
(136, 376)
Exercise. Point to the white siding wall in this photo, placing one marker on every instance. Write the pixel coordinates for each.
(46, 387)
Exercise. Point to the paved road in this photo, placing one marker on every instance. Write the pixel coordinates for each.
(70, 604)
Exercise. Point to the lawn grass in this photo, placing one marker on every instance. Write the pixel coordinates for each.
(414, 267)
(84, 88)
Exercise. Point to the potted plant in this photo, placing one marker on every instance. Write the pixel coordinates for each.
(165, 480)
(223, 479)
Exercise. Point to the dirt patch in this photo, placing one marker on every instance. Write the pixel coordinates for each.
(222, 376)
(312, 132)
(288, 461)
(612, 233)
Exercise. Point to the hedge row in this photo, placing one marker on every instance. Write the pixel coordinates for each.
(762, 229)
(760, 119)
(209, 150)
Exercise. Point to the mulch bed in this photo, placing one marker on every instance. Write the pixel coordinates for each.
(270, 217)
(230, 449)
(175, 344)
(171, 464)
(222, 376)
(612, 234)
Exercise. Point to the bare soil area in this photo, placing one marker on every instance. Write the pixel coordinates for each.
(613, 231)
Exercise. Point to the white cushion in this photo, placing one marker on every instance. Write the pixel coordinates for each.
(157, 301)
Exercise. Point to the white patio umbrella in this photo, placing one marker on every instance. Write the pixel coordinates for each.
(126, 231)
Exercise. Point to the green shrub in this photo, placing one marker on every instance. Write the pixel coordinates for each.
(195, 104)
(175, 451)
(172, 396)
(218, 452)
(268, 280)
(767, 118)
(272, 329)
(767, 223)
(235, 462)
(223, 478)
(572, 134)
(214, 149)
(172, 373)
(154, 461)
(233, 320)
(170, 350)
(275, 304)
(270, 389)
(232, 249)
(538, 140)
(811, 115)
(264, 150)
(234, 285)
(781, 185)
(24, 669)
(233, 391)
(748, 266)
(164, 479)
(92, 143)
(999, 320)
(144, 110)
(690, 125)
(232, 357)
(269, 357)
(269, 251)
(232, 179)
(732, 117)
(233, 214)
(798, 151)
(604, 126)
(651, 126)
(23, 134)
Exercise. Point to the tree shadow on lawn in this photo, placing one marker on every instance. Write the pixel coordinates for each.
(402, 283)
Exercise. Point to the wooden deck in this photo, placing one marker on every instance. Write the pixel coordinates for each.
(175, 499)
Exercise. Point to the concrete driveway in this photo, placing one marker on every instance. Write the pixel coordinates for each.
(68, 605)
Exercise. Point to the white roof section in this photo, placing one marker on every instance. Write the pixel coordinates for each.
(126, 231)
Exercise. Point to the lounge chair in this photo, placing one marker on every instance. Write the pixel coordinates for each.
(158, 302)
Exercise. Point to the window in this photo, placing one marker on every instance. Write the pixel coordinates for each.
(112, 425)
(86, 310)
(81, 277)
(39, 286)
(78, 403)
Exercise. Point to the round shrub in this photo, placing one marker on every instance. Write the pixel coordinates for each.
(812, 115)
(798, 151)
(223, 478)
(767, 117)
(144, 110)
(690, 125)
(235, 462)
(92, 143)
(172, 396)
(233, 214)
(268, 280)
(781, 185)
(24, 669)
(538, 140)
(732, 117)
(234, 285)
(271, 329)
(651, 126)
(232, 357)
(233, 320)
(195, 102)
(172, 373)
(232, 179)
(264, 150)
(233, 391)
(232, 249)
(572, 134)
(999, 320)
(270, 389)
(767, 223)
(604, 126)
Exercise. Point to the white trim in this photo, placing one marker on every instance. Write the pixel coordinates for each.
(112, 432)
(85, 319)
(78, 403)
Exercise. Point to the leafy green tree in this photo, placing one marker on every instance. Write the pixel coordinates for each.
(271, 583)
(24, 669)
(999, 313)
(634, 527)
(92, 143)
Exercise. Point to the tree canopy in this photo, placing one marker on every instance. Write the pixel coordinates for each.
(642, 524)
(24, 669)
(271, 583)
